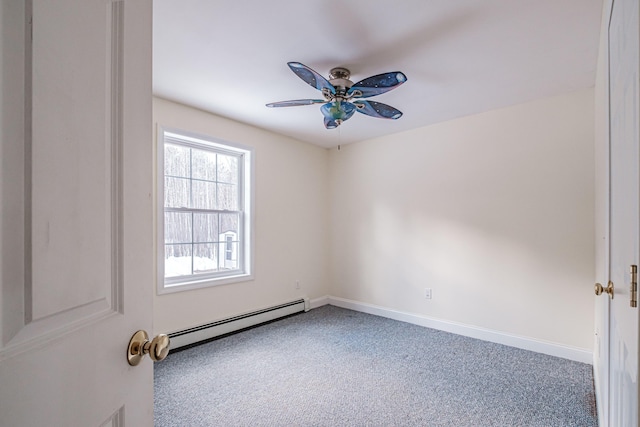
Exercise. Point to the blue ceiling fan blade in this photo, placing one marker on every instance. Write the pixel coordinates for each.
(375, 85)
(337, 112)
(377, 109)
(296, 102)
(311, 77)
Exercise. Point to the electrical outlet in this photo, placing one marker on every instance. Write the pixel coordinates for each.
(427, 293)
(297, 285)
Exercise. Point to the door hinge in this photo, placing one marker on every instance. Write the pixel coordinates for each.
(633, 288)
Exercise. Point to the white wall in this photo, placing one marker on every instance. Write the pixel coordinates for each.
(494, 212)
(290, 223)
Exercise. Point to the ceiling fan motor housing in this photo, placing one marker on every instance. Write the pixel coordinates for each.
(339, 78)
(339, 73)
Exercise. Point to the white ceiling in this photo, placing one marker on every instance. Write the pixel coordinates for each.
(461, 57)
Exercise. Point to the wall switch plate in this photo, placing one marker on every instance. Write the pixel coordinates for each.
(427, 293)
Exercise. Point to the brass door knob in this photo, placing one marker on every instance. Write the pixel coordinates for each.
(139, 345)
(600, 289)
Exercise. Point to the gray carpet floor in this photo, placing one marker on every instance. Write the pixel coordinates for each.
(337, 367)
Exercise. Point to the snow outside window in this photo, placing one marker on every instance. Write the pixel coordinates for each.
(205, 217)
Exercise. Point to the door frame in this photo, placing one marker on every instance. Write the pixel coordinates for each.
(602, 178)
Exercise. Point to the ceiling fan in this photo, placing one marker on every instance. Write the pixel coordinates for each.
(338, 92)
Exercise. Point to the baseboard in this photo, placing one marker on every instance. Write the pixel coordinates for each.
(319, 302)
(525, 343)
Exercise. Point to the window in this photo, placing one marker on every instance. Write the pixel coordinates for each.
(205, 217)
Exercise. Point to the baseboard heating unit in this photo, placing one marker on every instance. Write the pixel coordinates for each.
(236, 323)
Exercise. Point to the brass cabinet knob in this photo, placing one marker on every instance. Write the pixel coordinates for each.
(139, 346)
(600, 289)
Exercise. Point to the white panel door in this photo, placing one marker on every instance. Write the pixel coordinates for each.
(75, 211)
(624, 215)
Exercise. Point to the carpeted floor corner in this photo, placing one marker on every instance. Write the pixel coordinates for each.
(337, 367)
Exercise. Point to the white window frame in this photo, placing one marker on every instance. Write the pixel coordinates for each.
(246, 244)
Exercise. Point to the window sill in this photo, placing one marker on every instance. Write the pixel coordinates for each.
(164, 288)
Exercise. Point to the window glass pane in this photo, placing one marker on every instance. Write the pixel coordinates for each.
(177, 260)
(177, 227)
(203, 165)
(230, 223)
(227, 169)
(205, 258)
(204, 195)
(176, 161)
(176, 192)
(228, 197)
(205, 228)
